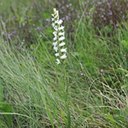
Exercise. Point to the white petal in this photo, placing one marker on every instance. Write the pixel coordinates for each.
(61, 38)
(56, 54)
(55, 33)
(61, 33)
(52, 19)
(56, 17)
(55, 44)
(61, 28)
(57, 61)
(56, 22)
(61, 44)
(53, 25)
(55, 38)
(63, 56)
(53, 15)
(55, 48)
(55, 11)
(64, 50)
(60, 22)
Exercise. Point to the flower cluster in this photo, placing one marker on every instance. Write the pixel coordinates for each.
(59, 37)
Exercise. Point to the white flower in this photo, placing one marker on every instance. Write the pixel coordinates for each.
(53, 19)
(61, 38)
(55, 48)
(57, 54)
(56, 14)
(61, 44)
(53, 16)
(55, 33)
(53, 24)
(64, 50)
(61, 33)
(55, 44)
(55, 38)
(63, 56)
(61, 28)
(59, 22)
(55, 28)
(57, 61)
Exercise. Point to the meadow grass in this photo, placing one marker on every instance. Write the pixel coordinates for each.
(89, 90)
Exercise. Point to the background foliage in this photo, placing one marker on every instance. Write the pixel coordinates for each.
(89, 90)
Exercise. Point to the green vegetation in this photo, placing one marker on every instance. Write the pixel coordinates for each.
(88, 90)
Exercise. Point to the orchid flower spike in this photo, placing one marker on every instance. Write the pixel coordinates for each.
(59, 37)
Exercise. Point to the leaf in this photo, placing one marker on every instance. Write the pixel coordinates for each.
(5, 107)
(125, 43)
(1, 90)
